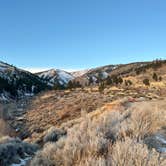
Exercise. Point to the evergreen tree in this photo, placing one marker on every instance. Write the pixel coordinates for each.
(160, 78)
(101, 87)
(109, 80)
(146, 82)
(90, 80)
(155, 77)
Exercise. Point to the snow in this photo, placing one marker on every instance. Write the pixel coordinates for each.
(48, 74)
(162, 148)
(28, 94)
(161, 139)
(64, 76)
(23, 162)
(105, 75)
(3, 97)
(79, 73)
(53, 76)
(115, 67)
(2, 68)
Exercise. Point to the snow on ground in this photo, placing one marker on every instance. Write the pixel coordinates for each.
(23, 162)
(105, 75)
(79, 73)
(3, 97)
(48, 74)
(64, 76)
(162, 140)
(2, 68)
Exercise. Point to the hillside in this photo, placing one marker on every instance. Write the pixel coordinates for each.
(97, 75)
(56, 77)
(17, 83)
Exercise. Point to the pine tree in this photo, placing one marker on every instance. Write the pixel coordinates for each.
(160, 78)
(101, 87)
(146, 82)
(155, 77)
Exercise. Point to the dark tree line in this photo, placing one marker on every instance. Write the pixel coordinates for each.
(156, 64)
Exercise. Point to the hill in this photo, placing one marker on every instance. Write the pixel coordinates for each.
(17, 83)
(56, 77)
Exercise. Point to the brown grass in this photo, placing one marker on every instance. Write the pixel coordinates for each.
(105, 141)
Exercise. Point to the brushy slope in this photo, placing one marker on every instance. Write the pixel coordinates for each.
(113, 137)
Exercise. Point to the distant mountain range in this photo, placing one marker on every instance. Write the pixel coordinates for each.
(17, 83)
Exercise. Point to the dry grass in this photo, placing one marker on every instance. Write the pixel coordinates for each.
(145, 119)
(105, 141)
(132, 153)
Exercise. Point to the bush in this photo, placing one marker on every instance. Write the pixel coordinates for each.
(108, 138)
(13, 149)
(53, 135)
(129, 152)
(144, 121)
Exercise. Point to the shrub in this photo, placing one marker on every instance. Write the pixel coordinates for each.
(108, 138)
(130, 152)
(53, 135)
(12, 149)
(144, 121)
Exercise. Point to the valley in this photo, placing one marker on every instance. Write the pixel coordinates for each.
(111, 107)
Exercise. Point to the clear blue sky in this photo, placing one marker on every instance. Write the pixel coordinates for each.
(76, 34)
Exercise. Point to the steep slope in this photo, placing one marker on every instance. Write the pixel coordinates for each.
(54, 77)
(15, 82)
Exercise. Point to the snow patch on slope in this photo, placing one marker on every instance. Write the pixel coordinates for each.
(53, 76)
(64, 76)
(80, 73)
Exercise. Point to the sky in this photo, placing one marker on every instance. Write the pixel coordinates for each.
(80, 34)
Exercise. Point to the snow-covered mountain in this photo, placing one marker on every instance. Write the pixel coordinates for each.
(15, 82)
(79, 73)
(56, 76)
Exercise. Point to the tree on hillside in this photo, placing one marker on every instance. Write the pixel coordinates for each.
(160, 78)
(109, 80)
(59, 86)
(70, 85)
(155, 77)
(120, 80)
(146, 82)
(91, 80)
(101, 87)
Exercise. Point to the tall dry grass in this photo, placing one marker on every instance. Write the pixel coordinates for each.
(114, 138)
